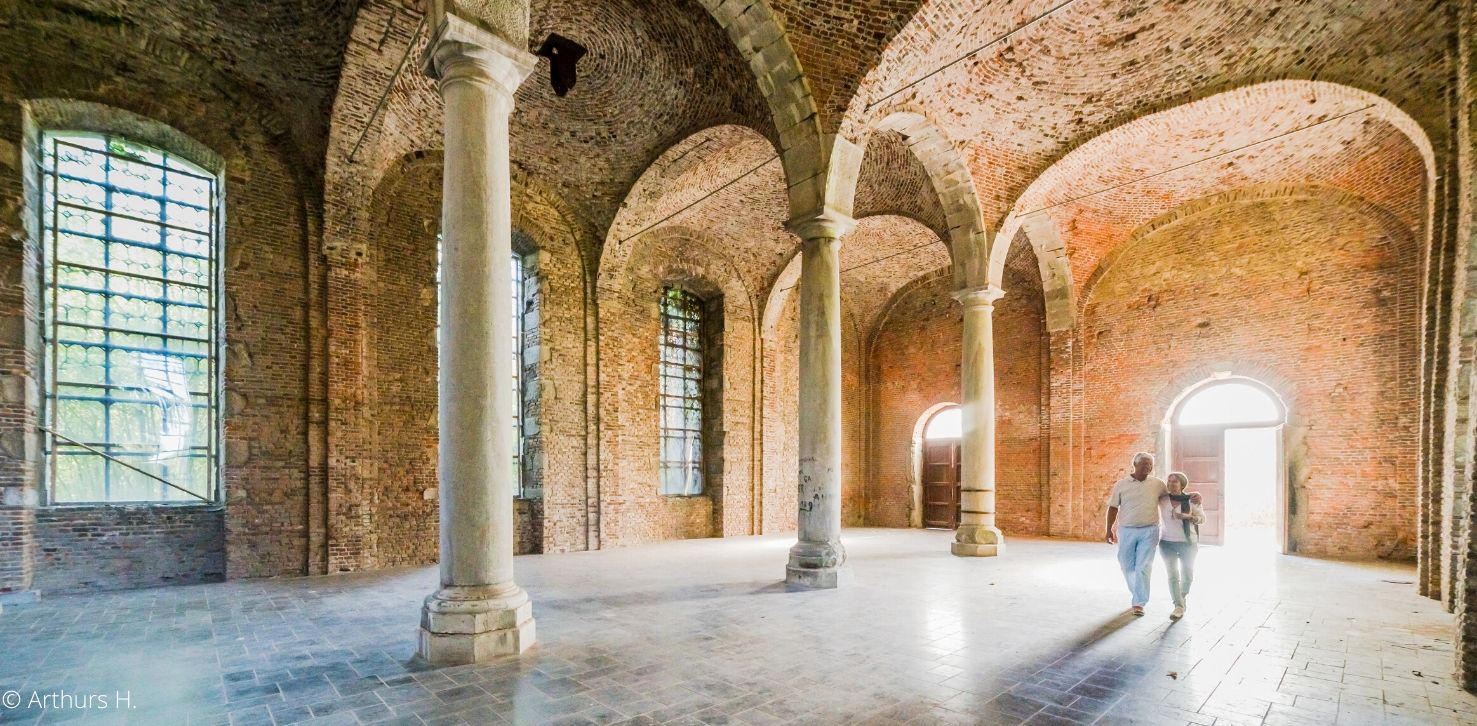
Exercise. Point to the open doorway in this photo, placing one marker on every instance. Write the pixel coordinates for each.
(1226, 435)
(941, 469)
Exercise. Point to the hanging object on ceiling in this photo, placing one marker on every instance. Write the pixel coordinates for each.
(562, 53)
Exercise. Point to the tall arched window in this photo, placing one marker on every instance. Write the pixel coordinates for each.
(130, 253)
(681, 402)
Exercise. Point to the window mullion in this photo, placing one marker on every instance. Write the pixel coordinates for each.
(164, 309)
(107, 319)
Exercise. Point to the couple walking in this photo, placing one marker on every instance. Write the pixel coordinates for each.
(1151, 513)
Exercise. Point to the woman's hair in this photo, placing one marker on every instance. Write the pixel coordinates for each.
(1180, 475)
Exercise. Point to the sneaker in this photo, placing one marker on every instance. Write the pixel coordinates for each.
(1137, 610)
(1178, 613)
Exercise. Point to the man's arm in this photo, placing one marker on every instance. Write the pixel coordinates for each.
(1109, 535)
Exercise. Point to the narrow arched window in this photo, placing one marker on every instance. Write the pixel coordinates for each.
(131, 324)
(681, 398)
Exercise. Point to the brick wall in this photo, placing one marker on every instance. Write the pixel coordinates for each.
(916, 355)
(781, 425)
(1310, 292)
(330, 370)
(157, 93)
(401, 351)
(632, 509)
(124, 547)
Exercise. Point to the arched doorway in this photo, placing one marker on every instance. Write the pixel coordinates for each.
(1226, 435)
(941, 469)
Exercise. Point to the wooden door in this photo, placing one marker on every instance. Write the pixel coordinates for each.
(941, 484)
(1200, 452)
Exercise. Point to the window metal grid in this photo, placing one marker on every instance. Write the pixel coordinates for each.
(518, 483)
(130, 322)
(681, 396)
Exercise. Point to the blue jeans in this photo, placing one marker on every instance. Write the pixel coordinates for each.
(1136, 547)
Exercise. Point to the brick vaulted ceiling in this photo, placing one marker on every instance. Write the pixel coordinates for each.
(1089, 66)
(1287, 133)
(280, 55)
(655, 74)
(660, 72)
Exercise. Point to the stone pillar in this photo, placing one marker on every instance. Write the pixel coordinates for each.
(816, 559)
(479, 611)
(977, 535)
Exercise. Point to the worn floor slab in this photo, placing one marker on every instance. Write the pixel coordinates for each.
(704, 632)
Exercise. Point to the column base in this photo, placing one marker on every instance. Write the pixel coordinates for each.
(977, 540)
(816, 565)
(964, 549)
(817, 578)
(462, 625)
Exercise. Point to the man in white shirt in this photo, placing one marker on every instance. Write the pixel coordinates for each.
(1134, 506)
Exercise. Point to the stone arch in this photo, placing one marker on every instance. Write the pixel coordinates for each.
(1178, 389)
(808, 156)
(949, 173)
(1027, 212)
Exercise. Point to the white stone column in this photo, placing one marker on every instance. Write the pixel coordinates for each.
(816, 559)
(479, 611)
(977, 535)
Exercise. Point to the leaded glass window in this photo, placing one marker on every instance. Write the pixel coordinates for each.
(131, 274)
(681, 401)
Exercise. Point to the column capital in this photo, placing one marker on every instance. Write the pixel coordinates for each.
(461, 49)
(824, 223)
(979, 297)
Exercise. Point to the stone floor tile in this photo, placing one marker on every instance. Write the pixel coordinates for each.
(695, 632)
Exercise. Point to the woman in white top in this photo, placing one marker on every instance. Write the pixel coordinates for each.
(1179, 538)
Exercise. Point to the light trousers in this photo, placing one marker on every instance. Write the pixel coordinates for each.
(1179, 559)
(1136, 556)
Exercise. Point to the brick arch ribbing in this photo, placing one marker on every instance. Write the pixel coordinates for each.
(1053, 244)
(660, 199)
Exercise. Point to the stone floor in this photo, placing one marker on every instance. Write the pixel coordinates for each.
(700, 632)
